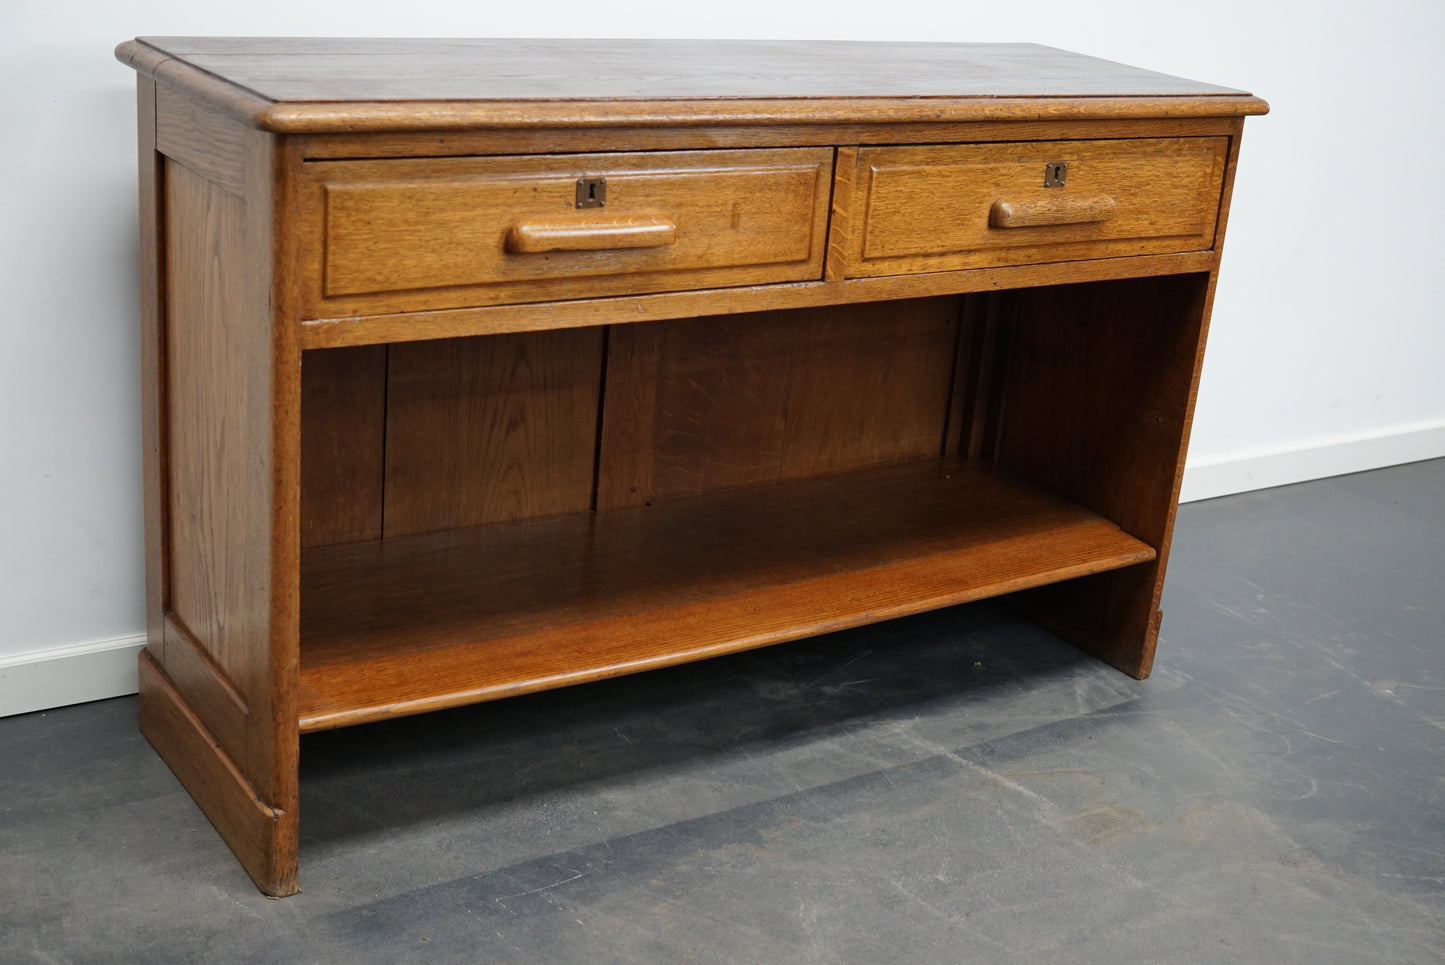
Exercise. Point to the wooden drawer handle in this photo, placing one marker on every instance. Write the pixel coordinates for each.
(591, 234)
(1035, 214)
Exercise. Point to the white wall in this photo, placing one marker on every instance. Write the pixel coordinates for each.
(1326, 348)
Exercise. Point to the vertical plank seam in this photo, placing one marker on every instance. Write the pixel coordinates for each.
(601, 416)
(1002, 362)
(385, 432)
(949, 415)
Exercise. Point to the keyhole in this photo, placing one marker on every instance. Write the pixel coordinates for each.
(591, 192)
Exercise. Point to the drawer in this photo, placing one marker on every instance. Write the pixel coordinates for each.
(407, 235)
(941, 208)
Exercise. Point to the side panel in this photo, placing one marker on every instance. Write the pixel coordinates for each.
(1097, 407)
(215, 593)
(222, 419)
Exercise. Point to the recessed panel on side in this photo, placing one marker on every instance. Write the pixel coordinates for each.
(209, 437)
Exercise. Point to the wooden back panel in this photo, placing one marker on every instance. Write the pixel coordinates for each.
(698, 405)
(481, 430)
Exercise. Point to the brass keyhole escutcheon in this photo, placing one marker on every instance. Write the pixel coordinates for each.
(591, 192)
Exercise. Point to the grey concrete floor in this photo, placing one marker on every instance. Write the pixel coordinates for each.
(955, 787)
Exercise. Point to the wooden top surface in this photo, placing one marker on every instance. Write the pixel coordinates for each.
(311, 84)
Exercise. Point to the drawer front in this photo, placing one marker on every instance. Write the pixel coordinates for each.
(941, 208)
(407, 235)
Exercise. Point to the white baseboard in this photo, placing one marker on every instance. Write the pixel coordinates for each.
(69, 675)
(107, 668)
(1240, 472)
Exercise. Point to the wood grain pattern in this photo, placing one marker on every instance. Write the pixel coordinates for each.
(208, 692)
(413, 326)
(489, 429)
(273, 525)
(990, 358)
(343, 439)
(343, 85)
(431, 621)
(207, 395)
(868, 386)
(722, 398)
(588, 232)
(1050, 213)
(627, 437)
(1099, 389)
(977, 395)
(960, 388)
(398, 235)
(935, 208)
(248, 826)
(208, 142)
(232, 401)
(840, 221)
(707, 404)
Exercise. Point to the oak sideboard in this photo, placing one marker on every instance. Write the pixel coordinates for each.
(473, 368)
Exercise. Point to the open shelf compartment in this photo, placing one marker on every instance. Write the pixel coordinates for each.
(416, 623)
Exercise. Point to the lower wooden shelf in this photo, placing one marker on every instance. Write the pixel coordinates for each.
(405, 625)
